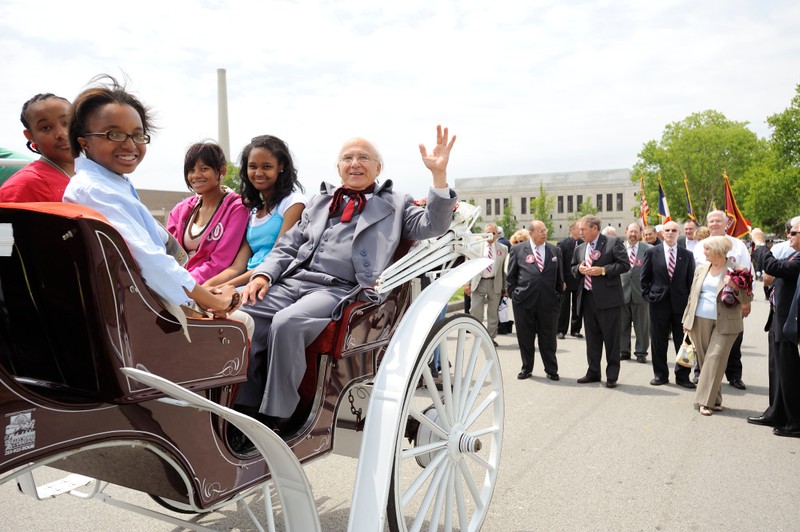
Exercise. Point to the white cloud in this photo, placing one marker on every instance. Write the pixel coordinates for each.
(527, 86)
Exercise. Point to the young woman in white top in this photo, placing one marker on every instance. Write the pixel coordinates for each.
(269, 187)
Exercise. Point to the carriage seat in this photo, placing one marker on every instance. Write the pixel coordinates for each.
(74, 309)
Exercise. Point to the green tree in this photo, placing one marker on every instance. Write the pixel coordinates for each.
(508, 222)
(786, 132)
(542, 208)
(231, 179)
(584, 209)
(701, 147)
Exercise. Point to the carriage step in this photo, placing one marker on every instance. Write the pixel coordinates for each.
(28, 485)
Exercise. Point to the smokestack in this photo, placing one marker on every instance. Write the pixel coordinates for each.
(222, 109)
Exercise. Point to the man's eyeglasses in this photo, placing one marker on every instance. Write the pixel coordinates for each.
(362, 158)
(670, 230)
(119, 136)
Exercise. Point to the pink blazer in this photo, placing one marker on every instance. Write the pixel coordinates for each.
(221, 239)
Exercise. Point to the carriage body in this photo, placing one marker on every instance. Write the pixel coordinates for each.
(75, 314)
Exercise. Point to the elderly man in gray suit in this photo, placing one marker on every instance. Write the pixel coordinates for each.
(344, 240)
(634, 308)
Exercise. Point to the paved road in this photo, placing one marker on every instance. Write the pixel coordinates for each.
(575, 457)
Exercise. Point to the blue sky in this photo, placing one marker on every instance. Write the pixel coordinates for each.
(534, 86)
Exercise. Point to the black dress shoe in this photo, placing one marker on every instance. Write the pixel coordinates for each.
(658, 382)
(625, 357)
(561, 336)
(523, 374)
(789, 432)
(553, 376)
(587, 379)
(738, 384)
(762, 420)
(642, 359)
(686, 384)
(576, 335)
(611, 384)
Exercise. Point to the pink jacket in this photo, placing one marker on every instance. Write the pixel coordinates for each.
(222, 237)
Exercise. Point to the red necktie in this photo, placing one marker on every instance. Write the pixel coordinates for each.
(358, 200)
(539, 261)
(632, 258)
(490, 254)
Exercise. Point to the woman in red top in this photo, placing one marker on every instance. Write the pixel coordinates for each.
(45, 119)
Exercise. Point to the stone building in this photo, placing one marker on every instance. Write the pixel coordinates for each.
(160, 202)
(611, 191)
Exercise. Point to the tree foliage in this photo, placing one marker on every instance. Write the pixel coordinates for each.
(584, 209)
(700, 147)
(786, 132)
(231, 179)
(542, 208)
(508, 222)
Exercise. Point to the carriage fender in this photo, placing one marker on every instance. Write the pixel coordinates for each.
(376, 458)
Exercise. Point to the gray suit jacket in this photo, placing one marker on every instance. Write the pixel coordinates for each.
(632, 279)
(387, 217)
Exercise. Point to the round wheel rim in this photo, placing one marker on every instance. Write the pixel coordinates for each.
(462, 428)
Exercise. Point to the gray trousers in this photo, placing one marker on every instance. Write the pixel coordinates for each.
(289, 318)
(484, 295)
(639, 315)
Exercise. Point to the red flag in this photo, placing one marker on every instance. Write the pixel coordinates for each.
(644, 208)
(738, 225)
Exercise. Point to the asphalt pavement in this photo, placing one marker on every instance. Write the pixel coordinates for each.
(575, 457)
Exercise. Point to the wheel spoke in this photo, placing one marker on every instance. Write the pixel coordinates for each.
(425, 420)
(481, 462)
(463, 522)
(459, 360)
(448, 517)
(442, 490)
(468, 480)
(483, 406)
(423, 449)
(476, 389)
(425, 505)
(437, 403)
(421, 478)
(466, 378)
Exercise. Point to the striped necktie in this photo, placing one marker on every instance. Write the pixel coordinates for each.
(539, 261)
(671, 262)
(587, 280)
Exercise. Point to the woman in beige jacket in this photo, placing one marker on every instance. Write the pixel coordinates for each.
(712, 325)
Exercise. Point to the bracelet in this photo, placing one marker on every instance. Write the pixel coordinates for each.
(235, 298)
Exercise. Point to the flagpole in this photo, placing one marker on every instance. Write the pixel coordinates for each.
(689, 207)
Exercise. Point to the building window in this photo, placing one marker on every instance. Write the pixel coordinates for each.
(609, 202)
(523, 207)
(579, 202)
(599, 203)
(497, 211)
(488, 207)
(560, 204)
(569, 204)
(619, 201)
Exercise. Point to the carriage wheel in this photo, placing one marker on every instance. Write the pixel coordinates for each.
(174, 506)
(448, 447)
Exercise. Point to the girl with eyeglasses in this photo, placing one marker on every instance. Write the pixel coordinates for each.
(45, 119)
(210, 225)
(109, 131)
(271, 190)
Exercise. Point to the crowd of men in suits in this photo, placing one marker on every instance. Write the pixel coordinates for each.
(609, 285)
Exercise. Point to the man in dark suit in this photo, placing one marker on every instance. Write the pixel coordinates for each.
(566, 319)
(635, 308)
(667, 274)
(597, 263)
(784, 414)
(535, 284)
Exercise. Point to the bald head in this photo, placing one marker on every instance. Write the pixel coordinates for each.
(359, 164)
(671, 230)
(538, 232)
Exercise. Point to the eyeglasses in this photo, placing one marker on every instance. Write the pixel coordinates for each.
(362, 158)
(670, 230)
(119, 136)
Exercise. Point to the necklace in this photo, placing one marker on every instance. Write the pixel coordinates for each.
(196, 212)
(54, 165)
